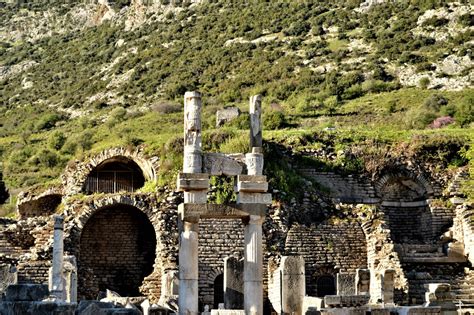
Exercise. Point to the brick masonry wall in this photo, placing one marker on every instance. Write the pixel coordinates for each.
(349, 189)
(337, 247)
(118, 248)
(409, 224)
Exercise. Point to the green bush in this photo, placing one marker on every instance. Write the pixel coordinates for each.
(47, 121)
(435, 102)
(47, 158)
(56, 140)
(274, 120)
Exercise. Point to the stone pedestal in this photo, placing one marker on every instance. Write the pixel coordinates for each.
(253, 270)
(233, 283)
(56, 286)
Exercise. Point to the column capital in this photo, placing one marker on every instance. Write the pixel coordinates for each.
(256, 219)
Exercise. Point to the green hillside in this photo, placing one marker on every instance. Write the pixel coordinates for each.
(382, 74)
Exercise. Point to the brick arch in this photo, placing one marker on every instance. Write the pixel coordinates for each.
(418, 178)
(77, 172)
(86, 211)
(212, 275)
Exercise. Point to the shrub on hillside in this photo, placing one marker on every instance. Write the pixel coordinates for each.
(435, 102)
(56, 140)
(166, 108)
(274, 120)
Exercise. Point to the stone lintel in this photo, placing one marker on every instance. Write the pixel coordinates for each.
(252, 186)
(253, 198)
(191, 181)
(251, 178)
(188, 211)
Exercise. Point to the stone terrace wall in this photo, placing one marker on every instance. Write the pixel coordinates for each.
(464, 229)
(348, 189)
(340, 246)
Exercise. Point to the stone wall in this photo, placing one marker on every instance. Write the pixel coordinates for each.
(118, 247)
(327, 248)
(409, 224)
(464, 228)
(347, 189)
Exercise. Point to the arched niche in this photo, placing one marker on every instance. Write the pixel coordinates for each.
(117, 251)
(117, 174)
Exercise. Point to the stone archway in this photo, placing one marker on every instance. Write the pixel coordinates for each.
(117, 251)
(404, 203)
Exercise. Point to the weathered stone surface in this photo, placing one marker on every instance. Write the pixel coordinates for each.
(192, 161)
(37, 308)
(345, 284)
(221, 164)
(233, 283)
(227, 312)
(439, 294)
(248, 186)
(362, 282)
(293, 284)
(245, 197)
(222, 211)
(226, 115)
(345, 301)
(26, 292)
(312, 305)
(254, 162)
(196, 181)
(253, 266)
(56, 286)
(84, 304)
(255, 121)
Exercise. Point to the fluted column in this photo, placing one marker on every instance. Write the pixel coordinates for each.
(253, 267)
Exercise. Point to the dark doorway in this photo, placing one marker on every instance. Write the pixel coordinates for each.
(117, 251)
(115, 175)
(326, 285)
(218, 290)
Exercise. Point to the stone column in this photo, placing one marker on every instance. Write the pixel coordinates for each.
(255, 121)
(253, 270)
(188, 271)
(195, 191)
(192, 162)
(56, 285)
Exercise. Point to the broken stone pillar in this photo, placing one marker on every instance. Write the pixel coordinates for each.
(362, 282)
(439, 294)
(293, 284)
(169, 286)
(70, 278)
(253, 269)
(388, 286)
(188, 270)
(56, 287)
(345, 284)
(254, 161)
(192, 162)
(233, 283)
(256, 121)
(195, 187)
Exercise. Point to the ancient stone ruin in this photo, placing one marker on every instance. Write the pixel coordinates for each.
(114, 249)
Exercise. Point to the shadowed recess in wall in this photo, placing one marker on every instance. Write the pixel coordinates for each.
(117, 251)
